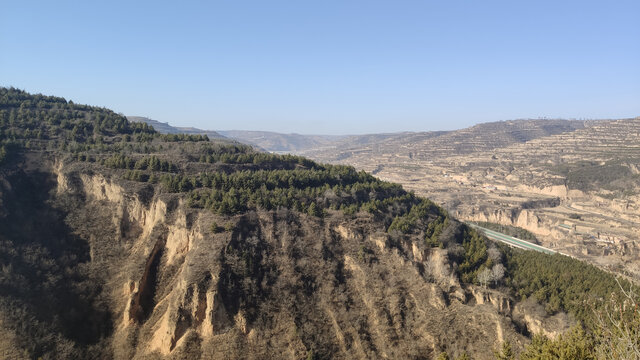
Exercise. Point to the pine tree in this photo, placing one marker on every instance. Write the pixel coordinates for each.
(506, 353)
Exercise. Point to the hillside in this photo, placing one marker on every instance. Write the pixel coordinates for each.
(436, 144)
(572, 183)
(117, 241)
(480, 137)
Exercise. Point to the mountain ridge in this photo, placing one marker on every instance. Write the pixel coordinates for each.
(312, 144)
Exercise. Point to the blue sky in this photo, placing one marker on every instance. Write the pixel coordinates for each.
(331, 67)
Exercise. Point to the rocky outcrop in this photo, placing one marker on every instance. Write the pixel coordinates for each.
(526, 219)
(142, 301)
(501, 302)
(552, 190)
(537, 321)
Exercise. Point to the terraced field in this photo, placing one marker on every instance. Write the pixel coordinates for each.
(575, 184)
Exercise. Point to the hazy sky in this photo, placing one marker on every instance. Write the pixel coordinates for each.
(347, 66)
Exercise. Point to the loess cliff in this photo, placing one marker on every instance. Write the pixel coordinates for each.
(112, 268)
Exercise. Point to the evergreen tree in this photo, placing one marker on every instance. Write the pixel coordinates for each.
(506, 353)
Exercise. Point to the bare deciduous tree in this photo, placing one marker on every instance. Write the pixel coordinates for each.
(494, 253)
(497, 273)
(619, 323)
(484, 277)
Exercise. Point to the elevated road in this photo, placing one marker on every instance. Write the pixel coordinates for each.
(511, 241)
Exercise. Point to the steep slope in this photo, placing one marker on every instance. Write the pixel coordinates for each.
(120, 242)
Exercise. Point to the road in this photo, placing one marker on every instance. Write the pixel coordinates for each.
(511, 241)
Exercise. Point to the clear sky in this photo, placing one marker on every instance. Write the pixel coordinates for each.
(332, 67)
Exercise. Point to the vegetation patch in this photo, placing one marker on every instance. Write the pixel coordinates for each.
(590, 176)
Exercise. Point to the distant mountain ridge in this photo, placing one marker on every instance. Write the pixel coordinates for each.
(278, 142)
(301, 144)
(485, 136)
(274, 141)
(165, 128)
(426, 145)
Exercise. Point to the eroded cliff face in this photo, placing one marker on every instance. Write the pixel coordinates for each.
(523, 218)
(281, 284)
